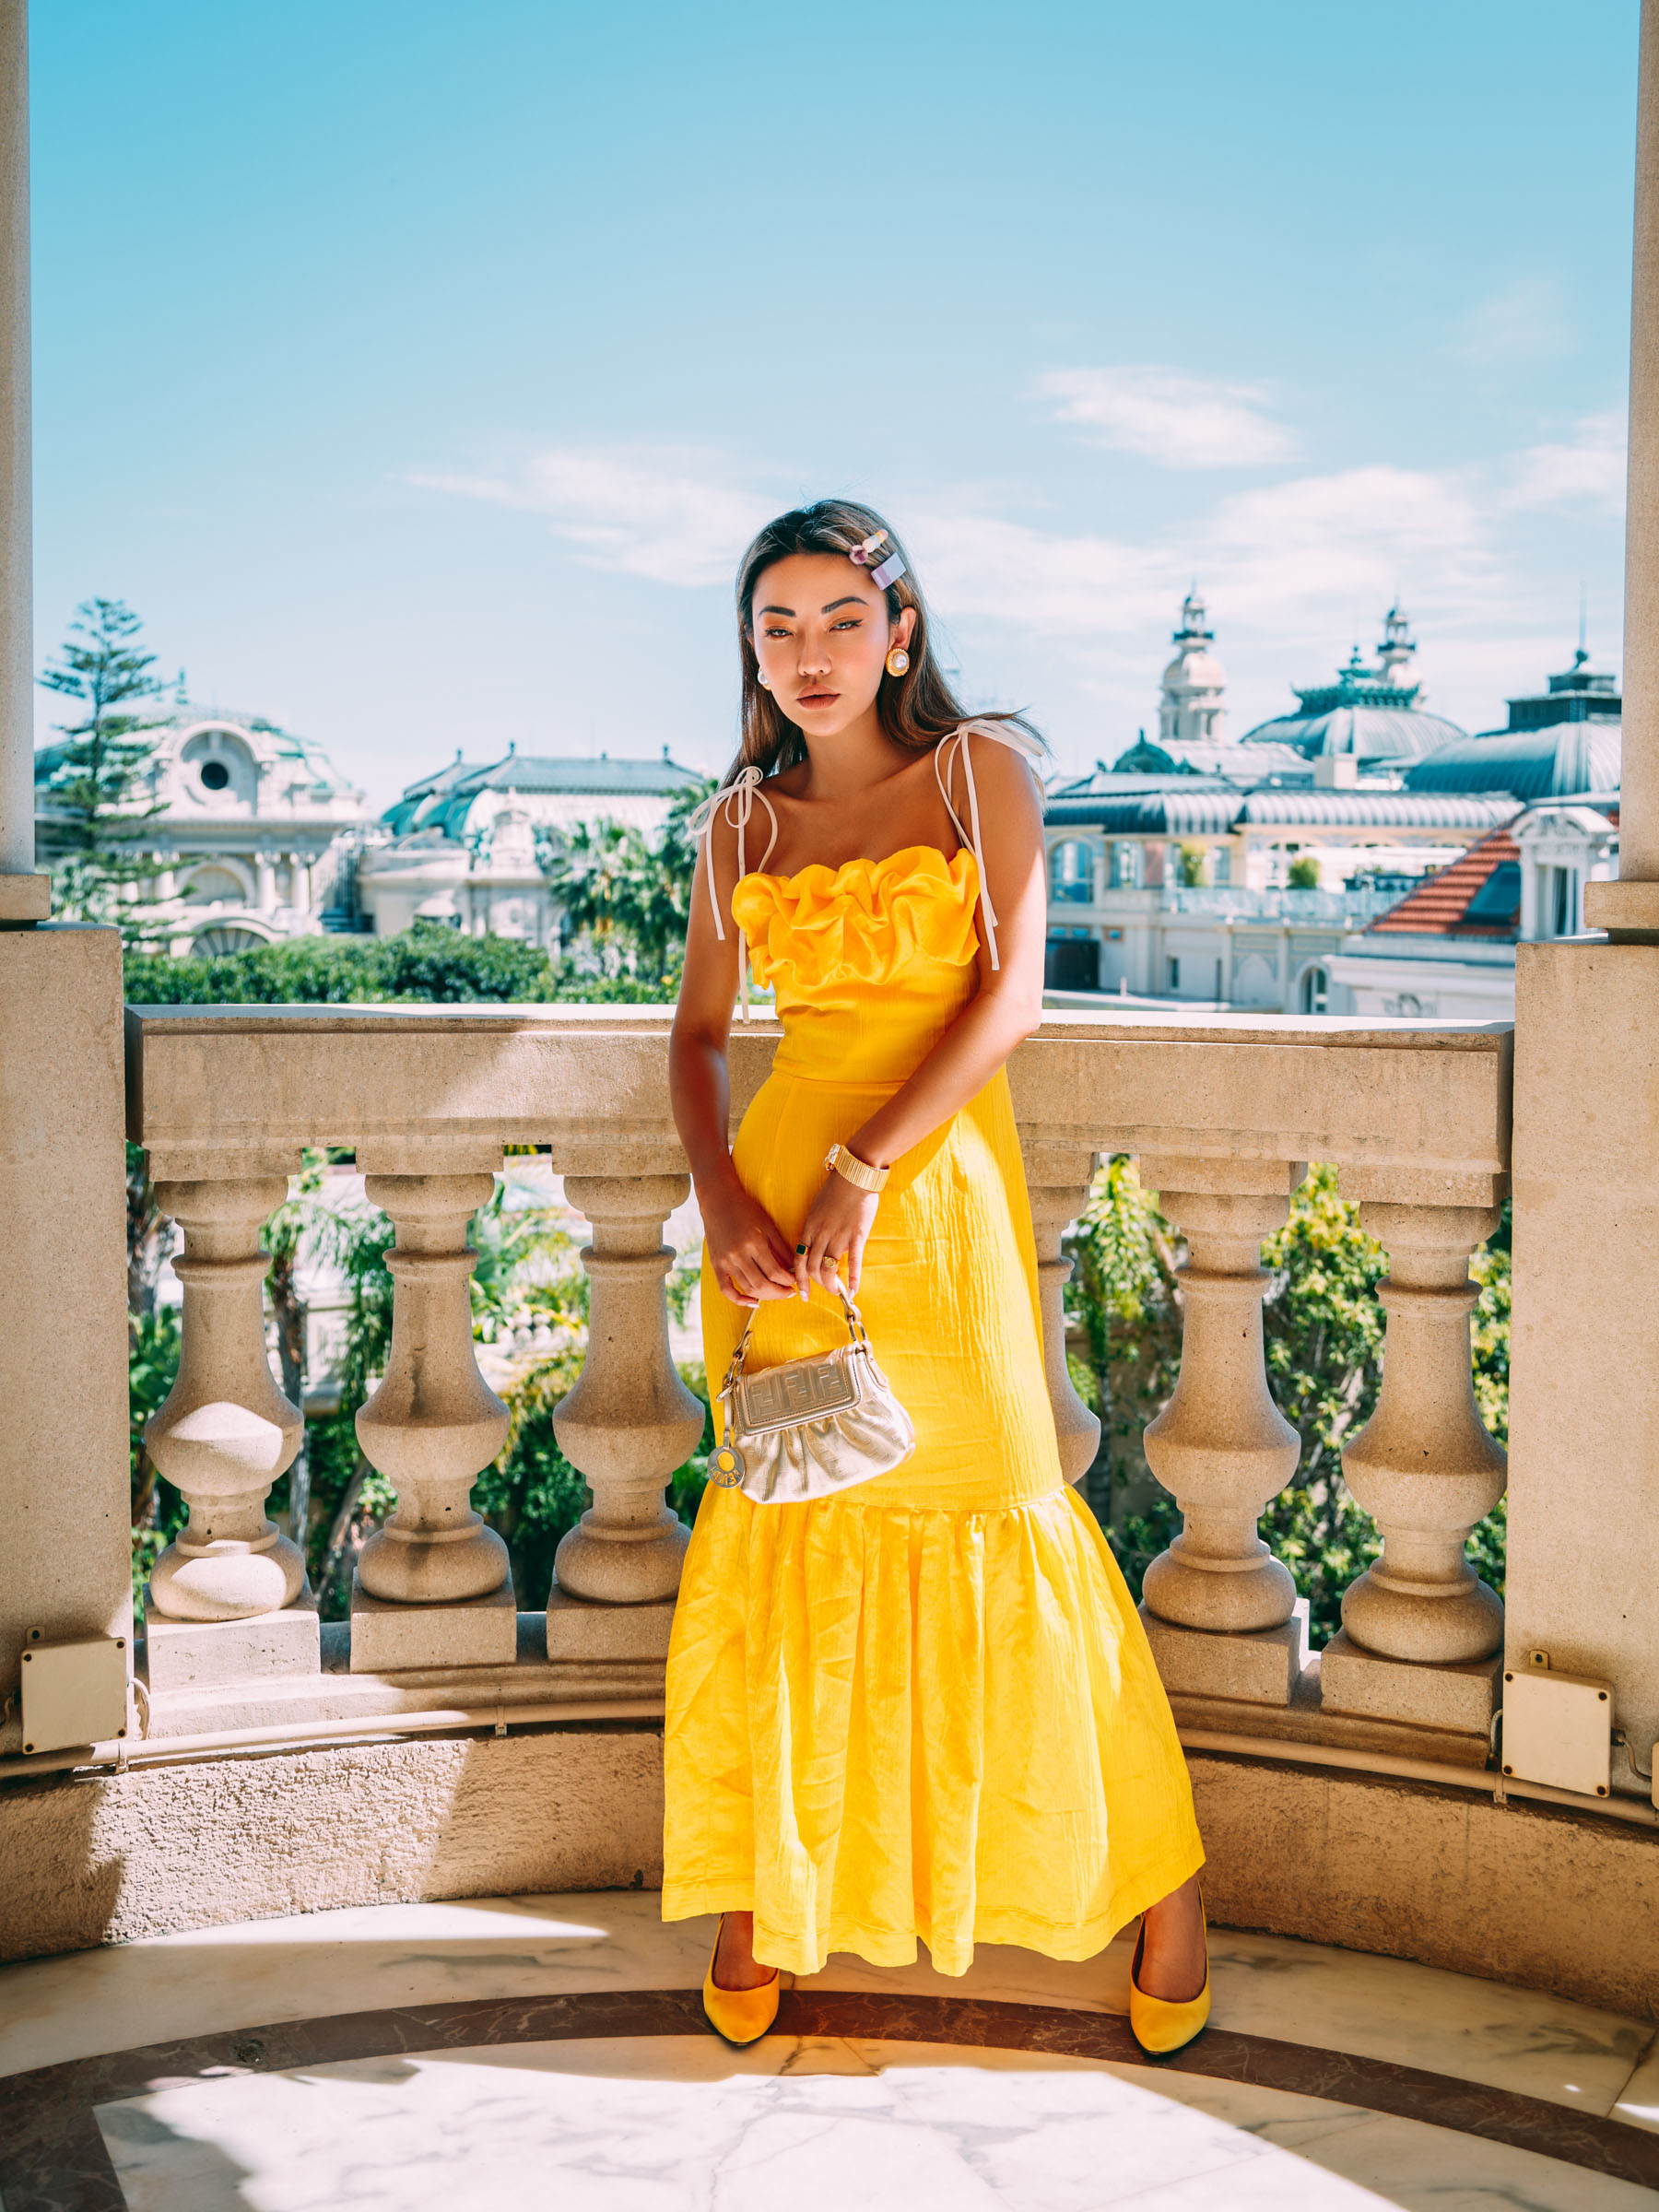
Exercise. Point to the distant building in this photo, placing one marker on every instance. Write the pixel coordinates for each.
(258, 823)
(1169, 872)
(1565, 739)
(1193, 708)
(1448, 949)
(464, 846)
(1371, 719)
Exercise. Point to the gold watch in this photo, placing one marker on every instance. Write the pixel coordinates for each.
(857, 1171)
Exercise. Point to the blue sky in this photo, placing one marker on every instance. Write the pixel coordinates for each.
(418, 371)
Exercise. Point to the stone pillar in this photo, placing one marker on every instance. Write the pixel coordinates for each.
(264, 883)
(1584, 1382)
(432, 1586)
(228, 1596)
(627, 1425)
(224, 1435)
(1420, 1634)
(65, 1553)
(1632, 903)
(20, 900)
(1058, 1180)
(300, 883)
(1222, 1613)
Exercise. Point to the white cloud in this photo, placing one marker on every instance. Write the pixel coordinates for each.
(1340, 542)
(1293, 571)
(1526, 321)
(1588, 469)
(1184, 421)
(673, 514)
(1313, 550)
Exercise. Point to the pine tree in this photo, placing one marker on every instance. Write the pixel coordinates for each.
(98, 814)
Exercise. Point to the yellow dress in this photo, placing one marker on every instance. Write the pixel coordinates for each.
(923, 1709)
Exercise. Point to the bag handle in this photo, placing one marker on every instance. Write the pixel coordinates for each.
(855, 1330)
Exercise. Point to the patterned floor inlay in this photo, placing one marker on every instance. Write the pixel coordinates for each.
(180, 2117)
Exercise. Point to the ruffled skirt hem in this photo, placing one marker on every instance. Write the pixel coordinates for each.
(887, 1726)
(1075, 1942)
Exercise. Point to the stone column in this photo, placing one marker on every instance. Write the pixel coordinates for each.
(432, 1586)
(224, 1435)
(1632, 903)
(1222, 1613)
(300, 883)
(1058, 1182)
(1584, 1382)
(264, 883)
(627, 1425)
(1420, 1634)
(23, 892)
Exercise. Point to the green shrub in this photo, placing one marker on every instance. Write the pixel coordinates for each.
(1323, 1331)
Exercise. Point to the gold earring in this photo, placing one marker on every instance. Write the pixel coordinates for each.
(897, 661)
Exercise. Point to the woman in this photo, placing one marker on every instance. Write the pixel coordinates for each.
(924, 1706)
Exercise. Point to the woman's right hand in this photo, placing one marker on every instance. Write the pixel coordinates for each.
(752, 1259)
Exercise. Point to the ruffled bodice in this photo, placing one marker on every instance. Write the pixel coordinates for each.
(870, 963)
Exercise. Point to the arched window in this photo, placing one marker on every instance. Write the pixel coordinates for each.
(1315, 991)
(215, 887)
(1071, 872)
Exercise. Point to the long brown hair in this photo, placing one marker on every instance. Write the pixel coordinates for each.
(916, 709)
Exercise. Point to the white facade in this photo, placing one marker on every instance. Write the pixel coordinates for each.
(248, 850)
(466, 845)
(492, 884)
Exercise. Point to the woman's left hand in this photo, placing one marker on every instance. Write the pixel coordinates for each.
(838, 1225)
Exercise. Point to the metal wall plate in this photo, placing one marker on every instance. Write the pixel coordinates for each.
(73, 1693)
(1558, 1729)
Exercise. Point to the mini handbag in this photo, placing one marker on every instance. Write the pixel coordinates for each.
(810, 1427)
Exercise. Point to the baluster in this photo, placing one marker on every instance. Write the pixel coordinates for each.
(1420, 1632)
(1058, 1180)
(627, 1425)
(224, 1435)
(1221, 1612)
(432, 1586)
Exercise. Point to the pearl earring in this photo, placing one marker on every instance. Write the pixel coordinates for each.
(897, 661)
(763, 680)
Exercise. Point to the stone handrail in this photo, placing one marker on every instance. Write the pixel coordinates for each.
(1223, 1115)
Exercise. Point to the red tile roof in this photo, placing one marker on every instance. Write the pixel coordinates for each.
(1436, 907)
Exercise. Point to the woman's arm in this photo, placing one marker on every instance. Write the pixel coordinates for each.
(1007, 1008)
(751, 1256)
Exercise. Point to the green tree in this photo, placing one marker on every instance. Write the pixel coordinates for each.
(1303, 873)
(1192, 862)
(628, 895)
(100, 819)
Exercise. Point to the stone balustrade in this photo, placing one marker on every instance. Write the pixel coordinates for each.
(1222, 1115)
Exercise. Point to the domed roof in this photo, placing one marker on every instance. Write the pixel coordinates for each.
(1532, 764)
(1562, 740)
(1197, 671)
(1368, 711)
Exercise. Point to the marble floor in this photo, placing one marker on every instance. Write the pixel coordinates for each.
(633, 2120)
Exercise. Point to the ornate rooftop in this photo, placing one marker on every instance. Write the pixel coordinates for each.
(1372, 711)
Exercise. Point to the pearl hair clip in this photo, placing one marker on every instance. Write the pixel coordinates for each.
(891, 568)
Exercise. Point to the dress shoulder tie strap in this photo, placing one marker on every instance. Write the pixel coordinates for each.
(945, 758)
(735, 800)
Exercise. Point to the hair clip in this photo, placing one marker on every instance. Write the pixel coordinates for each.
(891, 568)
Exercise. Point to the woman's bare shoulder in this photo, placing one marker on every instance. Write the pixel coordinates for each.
(1002, 775)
